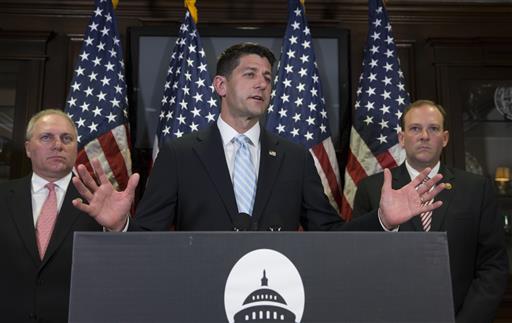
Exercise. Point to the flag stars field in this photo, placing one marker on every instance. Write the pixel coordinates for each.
(297, 105)
(381, 93)
(97, 100)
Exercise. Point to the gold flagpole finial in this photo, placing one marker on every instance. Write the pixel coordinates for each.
(115, 3)
(303, 3)
(191, 6)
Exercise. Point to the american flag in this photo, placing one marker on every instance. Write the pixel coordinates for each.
(188, 102)
(97, 100)
(381, 98)
(297, 111)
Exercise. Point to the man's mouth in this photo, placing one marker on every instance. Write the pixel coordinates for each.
(257, 97)
(60, 158)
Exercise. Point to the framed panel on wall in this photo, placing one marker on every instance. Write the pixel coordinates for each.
(151, 47)
(22, 60)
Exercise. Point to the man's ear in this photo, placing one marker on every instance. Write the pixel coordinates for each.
(446, 137)
(219, 83)
(401, 138)
(27, 151)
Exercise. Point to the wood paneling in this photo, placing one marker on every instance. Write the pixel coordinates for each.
(437, 40)
(26, 51)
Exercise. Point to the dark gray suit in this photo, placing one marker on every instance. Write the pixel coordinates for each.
(34, 290)
(478, 258)
(190, 188)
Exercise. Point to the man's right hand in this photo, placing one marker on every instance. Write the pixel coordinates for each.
(106, 205)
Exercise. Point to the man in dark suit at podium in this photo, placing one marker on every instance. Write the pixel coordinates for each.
(236, 175)
(38, 221)
(478, 259)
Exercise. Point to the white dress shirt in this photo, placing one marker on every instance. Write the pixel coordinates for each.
(227, 134)
(40, 193)
(413, 173)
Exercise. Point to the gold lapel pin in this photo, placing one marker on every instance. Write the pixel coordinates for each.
(448, 186)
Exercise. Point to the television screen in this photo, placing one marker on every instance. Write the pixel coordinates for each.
(151, 47)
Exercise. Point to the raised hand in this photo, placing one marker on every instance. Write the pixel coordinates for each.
(398, 206)
(107, 206)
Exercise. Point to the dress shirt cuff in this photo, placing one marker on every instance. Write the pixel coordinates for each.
(395, 229)
(125, 228)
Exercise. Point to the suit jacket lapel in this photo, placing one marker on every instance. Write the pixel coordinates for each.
(439, 215)
(271, 158)
(211, 152)
(19, 206)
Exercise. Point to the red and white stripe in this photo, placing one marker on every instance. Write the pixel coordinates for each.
(156, 149)
(326, 164)
(362, 163)
(112, 149)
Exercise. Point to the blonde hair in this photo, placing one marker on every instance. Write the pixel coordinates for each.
(46, 112)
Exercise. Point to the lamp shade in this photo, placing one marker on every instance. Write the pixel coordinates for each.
(502, 174)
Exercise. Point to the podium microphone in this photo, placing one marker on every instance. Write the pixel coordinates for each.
(242, 222)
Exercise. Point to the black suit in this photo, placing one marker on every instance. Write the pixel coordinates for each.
(190, 188)
(31, 289)
(478, 258)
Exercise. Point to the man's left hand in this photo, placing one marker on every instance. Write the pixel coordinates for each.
(398, 206)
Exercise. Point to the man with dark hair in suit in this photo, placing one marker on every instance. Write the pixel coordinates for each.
(478, 258)
(194, 184)
(38, 222)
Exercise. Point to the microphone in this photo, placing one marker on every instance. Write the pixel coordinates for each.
(242, 222)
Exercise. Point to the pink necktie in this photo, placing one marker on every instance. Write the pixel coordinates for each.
(426, 217)
(46, 220)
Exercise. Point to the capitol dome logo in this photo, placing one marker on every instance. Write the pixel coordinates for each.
(264, 286)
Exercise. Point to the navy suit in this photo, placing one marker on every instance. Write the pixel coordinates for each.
(190, 188)
(478, 258)
(34, 290)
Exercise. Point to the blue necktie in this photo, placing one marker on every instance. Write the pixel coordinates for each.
(244, 177)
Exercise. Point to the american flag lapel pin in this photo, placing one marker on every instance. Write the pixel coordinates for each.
(272, 153)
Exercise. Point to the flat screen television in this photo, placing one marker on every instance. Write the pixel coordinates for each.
(151, 47)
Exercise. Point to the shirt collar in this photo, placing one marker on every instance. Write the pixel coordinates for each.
(38, 183)
(413, 172)
(228, 133)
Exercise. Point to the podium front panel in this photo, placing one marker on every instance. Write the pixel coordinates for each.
(260, 277)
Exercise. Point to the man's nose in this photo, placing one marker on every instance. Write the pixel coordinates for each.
(424, 134)
(261, 82)
(57, 143)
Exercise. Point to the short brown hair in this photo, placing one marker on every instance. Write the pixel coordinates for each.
(230, 58)
(419, 103)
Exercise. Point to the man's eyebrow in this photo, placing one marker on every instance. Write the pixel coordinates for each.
(428, 125)
(56, 134)
(253, 68)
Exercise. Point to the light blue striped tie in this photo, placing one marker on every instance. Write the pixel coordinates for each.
(244, 177)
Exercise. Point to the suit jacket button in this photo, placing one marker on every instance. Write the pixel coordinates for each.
(32, 316)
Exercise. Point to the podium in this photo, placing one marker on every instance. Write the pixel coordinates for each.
(233, 277)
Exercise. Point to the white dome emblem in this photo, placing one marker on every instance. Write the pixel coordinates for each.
(264, 286)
